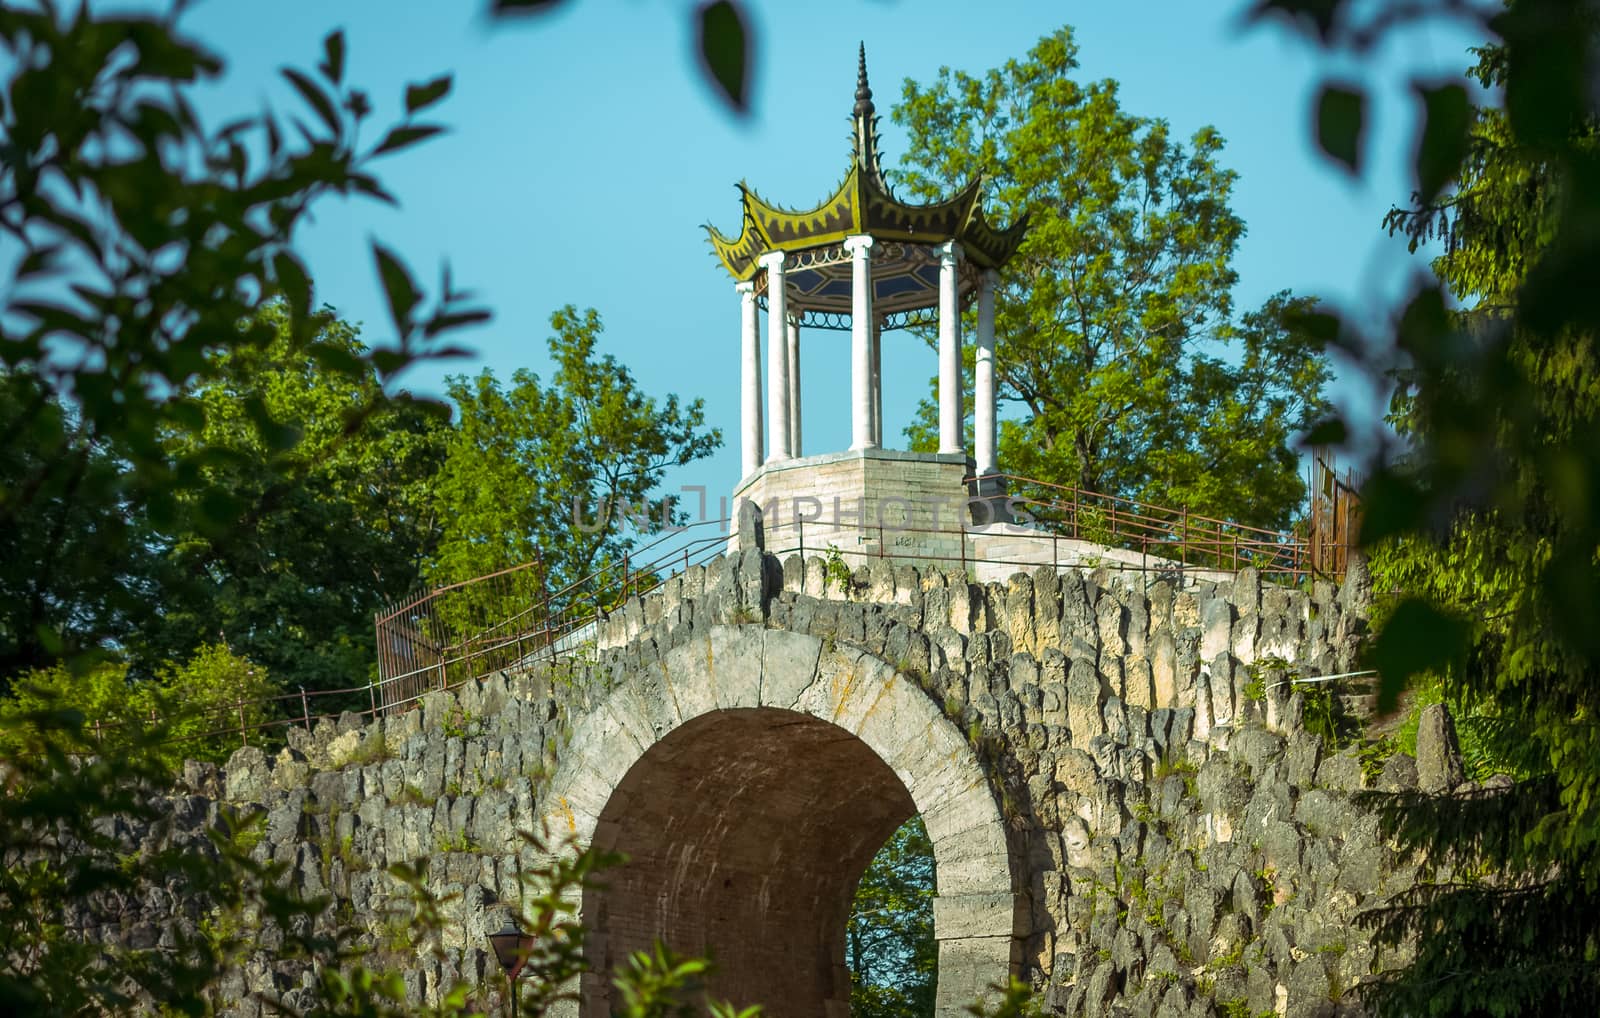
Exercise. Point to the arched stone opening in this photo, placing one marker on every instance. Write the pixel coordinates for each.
(746, 832)
(752, 774)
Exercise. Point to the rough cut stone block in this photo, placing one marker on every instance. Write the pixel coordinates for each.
(1438, 754)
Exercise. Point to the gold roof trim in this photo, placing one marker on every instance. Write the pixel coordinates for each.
(864, 203)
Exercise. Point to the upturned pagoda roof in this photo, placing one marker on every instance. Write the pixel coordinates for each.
(905, 267)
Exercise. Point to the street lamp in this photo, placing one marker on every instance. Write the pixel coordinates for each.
(511, 947)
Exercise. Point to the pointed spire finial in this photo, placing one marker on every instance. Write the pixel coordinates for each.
(863, 90)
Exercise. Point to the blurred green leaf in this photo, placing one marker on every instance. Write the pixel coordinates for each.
(1446, 118)
(1390, 504)
(398, 286)
(293, 281)
(1319, 16)
(724, 44)
(405, 136)
(333, 56)
(315, 97)
(420, 97)
(1425, 327)
(1322, 326)
(1417, 638)
(275, 435)
(503, 8)
(1331, 431)
(1341, 124)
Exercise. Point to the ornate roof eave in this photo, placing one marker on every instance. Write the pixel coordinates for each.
(741, 255)
(990, 247)
(864, 203)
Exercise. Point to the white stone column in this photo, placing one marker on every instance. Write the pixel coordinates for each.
(950, 413)
(778, 447)
(749, 379)
(877, 381)
(861, 326)
(794, 385)
(985, 426)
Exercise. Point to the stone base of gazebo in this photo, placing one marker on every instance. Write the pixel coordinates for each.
(874, 502)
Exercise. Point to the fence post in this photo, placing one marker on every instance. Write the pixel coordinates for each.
(377, 639)
(800, 536)
(1183, 548)
(305, 709)
(244, 736)
(880, 534)
(372, 696)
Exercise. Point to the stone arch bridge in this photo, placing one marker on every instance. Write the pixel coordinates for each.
(1126, 808)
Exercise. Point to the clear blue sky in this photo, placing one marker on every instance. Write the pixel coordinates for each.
(586, 151)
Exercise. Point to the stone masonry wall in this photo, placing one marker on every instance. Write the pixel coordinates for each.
(1184, 844)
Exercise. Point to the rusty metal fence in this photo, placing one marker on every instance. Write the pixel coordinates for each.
(1334, 520)
(1161, 531)
(442, 637)
(448, 635)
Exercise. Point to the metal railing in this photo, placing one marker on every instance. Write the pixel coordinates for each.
(442, 637)
(1192, 539)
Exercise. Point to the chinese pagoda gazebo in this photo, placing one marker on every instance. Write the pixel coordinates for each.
(865, 261)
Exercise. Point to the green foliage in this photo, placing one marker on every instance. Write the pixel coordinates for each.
(655, 983)
(198, 707)
(65, 867)
(1325, 714)
(889, 943)
(1256, 688)
(1016, 1000)
(148, 243)
(75, 561)
(1375, 754)
(835, 570)
(458, 724)
(460, 841)
(1239, 1007)
(1122, 347)
(340, 513)
(550, 473)
(1173, 762)
(1486, 519)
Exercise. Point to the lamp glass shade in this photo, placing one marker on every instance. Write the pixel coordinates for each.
(510, 946)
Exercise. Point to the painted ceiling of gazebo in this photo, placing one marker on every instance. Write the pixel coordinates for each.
(905, 263)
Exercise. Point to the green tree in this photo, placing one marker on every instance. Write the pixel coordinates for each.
(336, 504)
(1485, 516)
(1114, 326)
(146, 238)
(77, 557)
(544, 473)
(889, 943)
